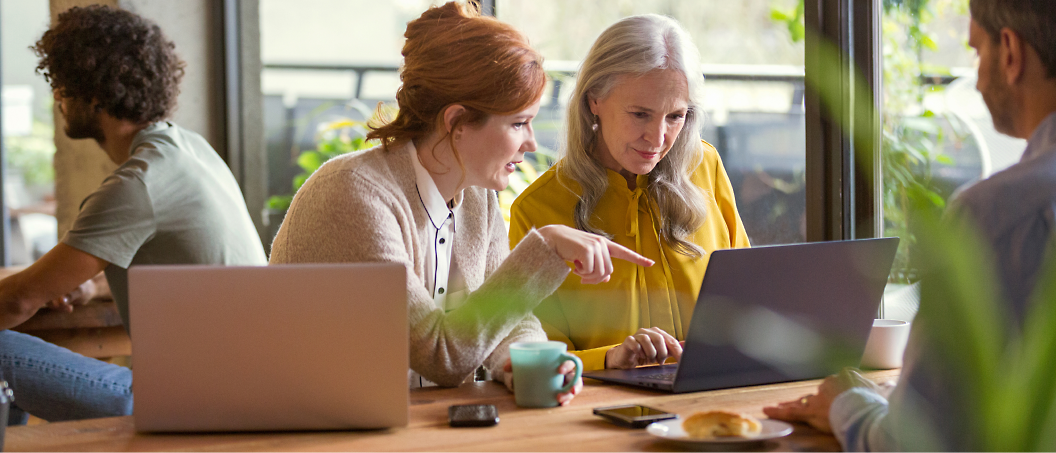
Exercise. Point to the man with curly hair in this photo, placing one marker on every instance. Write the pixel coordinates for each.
(172, 200)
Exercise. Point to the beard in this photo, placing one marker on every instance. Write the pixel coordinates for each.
(82, 121)
(998, 99)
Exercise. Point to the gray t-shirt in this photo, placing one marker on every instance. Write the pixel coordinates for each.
(173, 202)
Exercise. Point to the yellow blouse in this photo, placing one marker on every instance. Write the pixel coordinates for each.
(592, 319)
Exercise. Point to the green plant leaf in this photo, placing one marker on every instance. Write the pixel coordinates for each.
(310, 161)
(797, 30)
(299, 181)
(1039, 347)
(279, 202)
(928, 43)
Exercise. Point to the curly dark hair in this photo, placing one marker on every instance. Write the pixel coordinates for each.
(120, 61)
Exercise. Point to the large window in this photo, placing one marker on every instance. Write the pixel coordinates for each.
(27, 129)
(323, 74)
(327, 63)
(937, 132)
(323, 77)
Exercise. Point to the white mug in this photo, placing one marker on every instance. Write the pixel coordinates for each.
(887, 343)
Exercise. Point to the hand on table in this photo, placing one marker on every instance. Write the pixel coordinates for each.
(79, 296)
(814, 409)
(591, 254)
(568, 368)
(647, 346)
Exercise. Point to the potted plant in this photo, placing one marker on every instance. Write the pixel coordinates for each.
(333, 139)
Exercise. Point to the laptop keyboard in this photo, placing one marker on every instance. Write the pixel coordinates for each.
(660, 377)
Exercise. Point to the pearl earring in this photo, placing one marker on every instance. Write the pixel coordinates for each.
(594, 127)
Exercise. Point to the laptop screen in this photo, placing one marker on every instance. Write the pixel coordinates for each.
(783, 313)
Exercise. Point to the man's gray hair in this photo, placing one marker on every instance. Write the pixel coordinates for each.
(1033, 20)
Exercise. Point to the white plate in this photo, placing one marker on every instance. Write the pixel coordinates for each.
(672, 430)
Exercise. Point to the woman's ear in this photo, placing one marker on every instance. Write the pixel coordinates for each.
(451, 115)
(593, 103)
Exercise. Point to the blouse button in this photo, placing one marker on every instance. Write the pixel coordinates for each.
(442, 240)
(441, 290)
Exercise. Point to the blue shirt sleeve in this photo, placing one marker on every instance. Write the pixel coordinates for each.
(856, 418)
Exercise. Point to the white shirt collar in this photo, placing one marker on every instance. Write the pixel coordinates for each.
(434, 203)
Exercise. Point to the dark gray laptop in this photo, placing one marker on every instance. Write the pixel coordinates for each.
(775, 314)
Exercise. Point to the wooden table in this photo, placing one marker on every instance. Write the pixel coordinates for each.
(571, 428)
(94, 329)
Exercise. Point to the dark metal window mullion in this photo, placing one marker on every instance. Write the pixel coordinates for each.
(843, 180)
(827, 149)
(242, 107)
(867, 185)
(844, 141)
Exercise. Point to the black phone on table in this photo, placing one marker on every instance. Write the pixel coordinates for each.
(633, 416)
(468, 415)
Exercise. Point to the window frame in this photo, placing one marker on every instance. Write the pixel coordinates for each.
(843, 179)
(240, 66)
(843, 174)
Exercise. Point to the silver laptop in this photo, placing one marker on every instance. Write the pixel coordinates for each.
(775, 314)
(288, 347)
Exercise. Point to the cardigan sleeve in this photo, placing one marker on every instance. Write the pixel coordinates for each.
(528, 329)
(343, 216)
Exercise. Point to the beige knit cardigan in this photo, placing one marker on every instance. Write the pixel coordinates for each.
(364, 207)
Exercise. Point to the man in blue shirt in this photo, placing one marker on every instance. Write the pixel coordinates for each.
(1013, 211)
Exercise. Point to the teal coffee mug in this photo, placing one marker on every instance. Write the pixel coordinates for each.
(536, 381)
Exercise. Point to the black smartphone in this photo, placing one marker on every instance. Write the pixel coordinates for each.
(633, 416)
(473, 415)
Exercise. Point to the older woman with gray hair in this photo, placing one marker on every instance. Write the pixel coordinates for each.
(635, 170)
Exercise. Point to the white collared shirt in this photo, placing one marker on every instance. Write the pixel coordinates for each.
(442, 234)
(446, 285)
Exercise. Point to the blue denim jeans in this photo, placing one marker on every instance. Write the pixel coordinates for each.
(55, 384)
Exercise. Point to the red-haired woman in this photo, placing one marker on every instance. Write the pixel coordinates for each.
(426, 199)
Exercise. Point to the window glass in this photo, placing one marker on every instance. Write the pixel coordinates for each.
(753, 63)
(320, 70)
(327, 63)
(937, 131)
(27, 128)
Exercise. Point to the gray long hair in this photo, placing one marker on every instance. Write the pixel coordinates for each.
(635, 46)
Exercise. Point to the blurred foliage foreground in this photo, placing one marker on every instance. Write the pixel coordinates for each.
(913, 138)
(1003, 365)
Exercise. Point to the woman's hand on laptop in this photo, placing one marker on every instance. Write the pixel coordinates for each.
(568, 368)
(591, 254)
(647, 346)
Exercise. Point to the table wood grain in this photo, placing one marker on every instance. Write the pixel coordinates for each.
(572, 428)
(94, 329)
